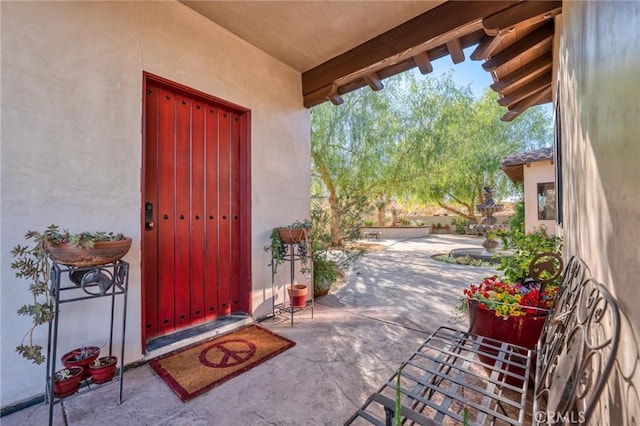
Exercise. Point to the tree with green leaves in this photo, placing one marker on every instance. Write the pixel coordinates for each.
(421, 140)
(351, 148)
(463, 141)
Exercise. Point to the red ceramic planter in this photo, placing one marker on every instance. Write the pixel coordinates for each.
(521, 331)
(106, 372)
(67, 387)
(298, 296)
(70, 359)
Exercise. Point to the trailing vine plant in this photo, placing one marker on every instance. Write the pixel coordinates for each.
(31, 263)
(278, 249)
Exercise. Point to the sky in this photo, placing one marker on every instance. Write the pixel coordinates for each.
(469, 72)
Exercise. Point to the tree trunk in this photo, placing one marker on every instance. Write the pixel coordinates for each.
(336, 233)
(382, 211)
(467, 215)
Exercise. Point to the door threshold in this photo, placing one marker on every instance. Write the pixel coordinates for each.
(165, 344)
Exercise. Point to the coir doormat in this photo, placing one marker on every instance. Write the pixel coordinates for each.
(196, 369)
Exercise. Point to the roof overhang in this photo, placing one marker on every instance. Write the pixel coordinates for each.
(329, 43)
(513, 165)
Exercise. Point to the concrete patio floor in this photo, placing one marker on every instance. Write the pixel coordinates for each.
(360, 334)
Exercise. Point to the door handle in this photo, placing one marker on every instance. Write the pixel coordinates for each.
(148, 216)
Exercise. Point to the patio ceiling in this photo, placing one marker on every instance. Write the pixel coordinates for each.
(341, 46)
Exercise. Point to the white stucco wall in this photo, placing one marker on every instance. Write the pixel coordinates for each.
(71, 142)
(598, 59)
(535, 173)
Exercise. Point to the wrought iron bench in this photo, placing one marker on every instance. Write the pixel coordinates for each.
(457, 377)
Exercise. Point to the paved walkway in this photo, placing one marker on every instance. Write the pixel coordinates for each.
(360, 333)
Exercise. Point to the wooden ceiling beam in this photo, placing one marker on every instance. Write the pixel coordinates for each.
(349, 85)
(520, 107)
(486, 46)
(373, 81)
(534, 40)
(527, 90)
(423, 62)
(532, 69)
(408, 38)
(455, 50)
(327, 93)
(521, 15)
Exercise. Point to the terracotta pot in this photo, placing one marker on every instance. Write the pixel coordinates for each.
(104, 373)
(522, 331)
(101, 253)
(298, 295)
(70, 359)
(69, 386)
(293, 236)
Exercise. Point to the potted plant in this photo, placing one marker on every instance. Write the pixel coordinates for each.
(325, 273)
(31, 262)
(295, 233)
(81, 357)
(298, 232)
(513, 313)
(86, 248)
(103, 369)
(67, 381)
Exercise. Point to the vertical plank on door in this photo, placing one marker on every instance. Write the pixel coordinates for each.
(166, 213)
(182, 214)
(149, 237)
(198, 217)
(211, 213)
(235, 243)
(225, 218)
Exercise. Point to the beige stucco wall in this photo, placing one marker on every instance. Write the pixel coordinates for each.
(71, 142)
(599, 84)
(535, 173)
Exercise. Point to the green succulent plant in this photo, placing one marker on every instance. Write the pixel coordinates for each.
(31, 263)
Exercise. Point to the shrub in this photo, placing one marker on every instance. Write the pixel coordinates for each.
(525, 247)
(460, 225)
(516, 221)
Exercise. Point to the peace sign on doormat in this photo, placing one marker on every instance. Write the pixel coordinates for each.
(193, 370)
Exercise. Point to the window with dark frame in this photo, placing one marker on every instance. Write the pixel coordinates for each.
(546, 201)
(557, 145)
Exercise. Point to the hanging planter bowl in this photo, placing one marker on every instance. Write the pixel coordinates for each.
(101, 253)
(293, 236)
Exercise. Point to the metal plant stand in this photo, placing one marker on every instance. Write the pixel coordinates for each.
(83, 283)
(291, 253)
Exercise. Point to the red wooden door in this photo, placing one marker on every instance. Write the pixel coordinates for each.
(192, 238)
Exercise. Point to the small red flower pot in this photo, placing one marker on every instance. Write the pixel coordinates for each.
(81, 357)
(67, 386)
(104, 372)
(298, 295)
